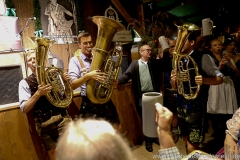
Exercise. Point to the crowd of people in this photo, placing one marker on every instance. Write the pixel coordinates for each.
(98, 126)
(218, 65)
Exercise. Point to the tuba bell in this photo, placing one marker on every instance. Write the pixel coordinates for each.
(97, 92)
(183, 72)
(61, 94)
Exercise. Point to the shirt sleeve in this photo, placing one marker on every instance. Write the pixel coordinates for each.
(74, 68)
(209, 67)
(24, 93)
(169, 154)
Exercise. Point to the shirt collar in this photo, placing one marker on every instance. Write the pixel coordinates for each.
(84, 57)
(143, 61)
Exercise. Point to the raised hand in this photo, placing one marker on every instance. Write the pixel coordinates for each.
(163, 118)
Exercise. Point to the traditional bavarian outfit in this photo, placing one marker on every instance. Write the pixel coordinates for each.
(191, 113)
(49, 120)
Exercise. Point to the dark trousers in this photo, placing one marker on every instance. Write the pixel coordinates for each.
(106, 111)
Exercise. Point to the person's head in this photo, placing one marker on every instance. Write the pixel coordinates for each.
(31, 62)
(190, 42)
(172, 44)
(215, 46)
(160, 53)
(145, 52)
(230, 45)
(90, 140)
(85, 43)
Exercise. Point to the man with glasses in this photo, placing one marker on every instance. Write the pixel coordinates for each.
(144, 74)
(79, 70)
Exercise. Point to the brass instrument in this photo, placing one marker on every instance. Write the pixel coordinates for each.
(62, 93)
(182, 72)
(97, 92)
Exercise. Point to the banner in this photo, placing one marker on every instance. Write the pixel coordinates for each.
(9, 29)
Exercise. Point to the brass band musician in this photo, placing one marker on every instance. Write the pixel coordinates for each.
(49, 120)
(191, 113)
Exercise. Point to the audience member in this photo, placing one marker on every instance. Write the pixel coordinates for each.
(169, 95)
(145, 78)
(164, 117)
(233, 59)
(93, 139)
(232, 133)
(222, 102)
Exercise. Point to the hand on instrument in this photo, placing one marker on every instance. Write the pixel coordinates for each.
(44, 89)
(198, 80)
(163, 118)
(66, 76)
(173, 79)
(173, 76)
(97, 75)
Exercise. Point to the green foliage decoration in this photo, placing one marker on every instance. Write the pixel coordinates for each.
(37, 14)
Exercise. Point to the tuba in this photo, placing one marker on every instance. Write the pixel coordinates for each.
(97, 92)
(62, 93)
(183, 72)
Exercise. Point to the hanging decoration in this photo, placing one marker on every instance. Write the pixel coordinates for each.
(11, 12)
(151, 30)
(38, 33)
(10, 9)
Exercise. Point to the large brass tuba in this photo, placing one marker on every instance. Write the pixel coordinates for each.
(62, 93)
(181, 70)
(100, 93)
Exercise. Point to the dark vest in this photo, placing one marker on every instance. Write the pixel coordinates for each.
(203, 93)
(43, 109)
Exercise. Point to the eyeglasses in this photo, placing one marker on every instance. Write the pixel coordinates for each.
(148, 50)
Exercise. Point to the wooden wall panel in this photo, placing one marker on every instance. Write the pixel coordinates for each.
(15, 140)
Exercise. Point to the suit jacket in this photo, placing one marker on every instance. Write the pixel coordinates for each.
(155, 70)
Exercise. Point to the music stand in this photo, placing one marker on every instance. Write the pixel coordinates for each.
(23, 50)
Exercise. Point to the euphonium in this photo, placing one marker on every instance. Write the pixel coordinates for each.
(181, 70)
(61, 94)
(100, 93)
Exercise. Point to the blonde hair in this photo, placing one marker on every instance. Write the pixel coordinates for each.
(90, 140)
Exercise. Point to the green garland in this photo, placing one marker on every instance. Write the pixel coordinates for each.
(78, 4)
(37, 14)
